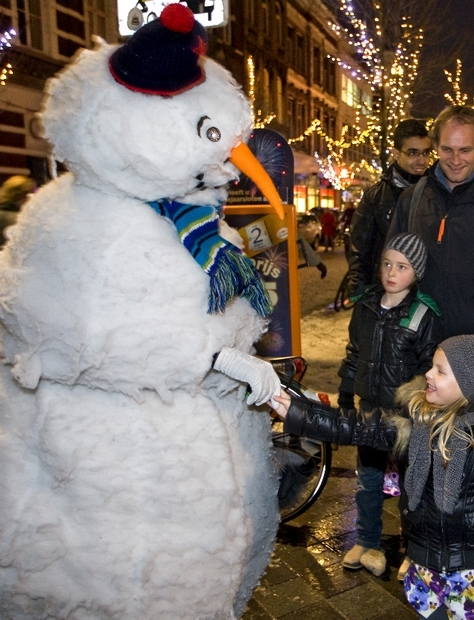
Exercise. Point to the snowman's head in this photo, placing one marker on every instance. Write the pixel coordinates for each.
(151, 119)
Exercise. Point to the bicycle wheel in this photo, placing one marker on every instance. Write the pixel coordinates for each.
(341, 300)
(304, 466)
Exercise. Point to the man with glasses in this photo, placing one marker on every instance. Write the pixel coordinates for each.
(442, 214)
(371, 220)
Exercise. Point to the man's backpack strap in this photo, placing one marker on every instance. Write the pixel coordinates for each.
(415, 201)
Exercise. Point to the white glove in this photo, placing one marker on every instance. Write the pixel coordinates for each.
(257, 373)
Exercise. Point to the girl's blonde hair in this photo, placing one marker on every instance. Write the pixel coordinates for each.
(441, 419)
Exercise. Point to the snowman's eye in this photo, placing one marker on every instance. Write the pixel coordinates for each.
(213, 134)
(200, 124)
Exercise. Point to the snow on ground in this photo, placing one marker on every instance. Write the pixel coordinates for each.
(323, 331)
(324, 338)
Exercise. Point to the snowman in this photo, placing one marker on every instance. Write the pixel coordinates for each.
(136, 474)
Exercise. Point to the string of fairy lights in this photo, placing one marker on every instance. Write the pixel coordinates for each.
(257, 121)
(6, 42)
(455, 81)
(394, 73)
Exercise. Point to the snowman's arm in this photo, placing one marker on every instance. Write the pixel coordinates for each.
(259, 374)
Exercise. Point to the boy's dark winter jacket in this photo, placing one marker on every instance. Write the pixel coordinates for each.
(386, 349)
(437, 540)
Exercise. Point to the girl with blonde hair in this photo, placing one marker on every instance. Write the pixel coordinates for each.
(431, 431)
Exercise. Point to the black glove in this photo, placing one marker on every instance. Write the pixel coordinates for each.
(323, 269)
(346, 400)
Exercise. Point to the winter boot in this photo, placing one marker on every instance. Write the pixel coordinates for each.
(374, 561)
(402, 571)
(352, 558)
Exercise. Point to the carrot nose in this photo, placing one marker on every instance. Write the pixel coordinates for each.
(243, 159)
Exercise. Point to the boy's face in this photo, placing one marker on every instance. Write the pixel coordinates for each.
(396, 273)
(442, 388)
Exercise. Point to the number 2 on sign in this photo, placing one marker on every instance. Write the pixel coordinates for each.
(258, 236)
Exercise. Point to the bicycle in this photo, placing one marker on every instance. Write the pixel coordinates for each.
(303, 463)
(341, 299)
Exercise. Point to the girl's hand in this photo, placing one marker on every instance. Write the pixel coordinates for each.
(284, 402)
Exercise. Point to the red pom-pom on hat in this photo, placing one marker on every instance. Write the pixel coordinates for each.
(164, 56)
(177, 18)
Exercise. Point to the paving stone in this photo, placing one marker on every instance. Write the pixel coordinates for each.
(277, 572)
(366, 602)
(322, 610)
(306, 580)
(324, 555)
(284, 598)
(255, 611)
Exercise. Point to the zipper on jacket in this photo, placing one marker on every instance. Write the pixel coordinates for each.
(442, 226)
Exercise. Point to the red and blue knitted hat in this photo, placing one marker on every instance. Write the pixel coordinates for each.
(162, 57)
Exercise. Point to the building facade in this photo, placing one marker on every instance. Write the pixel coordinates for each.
(297, 68)
(47, 34)
(289, 55)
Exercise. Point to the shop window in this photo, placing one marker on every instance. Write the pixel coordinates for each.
(326, 198)
(70, 24)
(317, 69)
(278, 25)
(30, 28)
(74, 5)
(300, 56)
(14, 119)
(299, 196)
(97, 18)
(66, 47)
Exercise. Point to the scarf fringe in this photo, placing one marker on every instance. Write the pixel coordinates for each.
(232, 275)
(231, 271)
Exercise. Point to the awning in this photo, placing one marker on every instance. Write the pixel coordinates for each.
(304, 163)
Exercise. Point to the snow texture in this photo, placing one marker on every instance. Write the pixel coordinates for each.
(135, 482)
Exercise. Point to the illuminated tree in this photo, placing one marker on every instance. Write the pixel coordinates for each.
(387, 38)
(388, 45)
(334, 166)
(459, 98)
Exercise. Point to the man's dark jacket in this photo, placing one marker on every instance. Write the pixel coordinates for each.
(387, 349)
(369, 227)
(449, 274)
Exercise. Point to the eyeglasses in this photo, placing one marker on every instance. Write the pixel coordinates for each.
(414, 154)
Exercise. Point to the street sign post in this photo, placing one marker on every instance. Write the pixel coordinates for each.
(133, 14)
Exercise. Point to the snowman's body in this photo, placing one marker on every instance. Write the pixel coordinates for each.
(135, 482)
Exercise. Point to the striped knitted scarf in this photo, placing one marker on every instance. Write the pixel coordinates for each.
(447, 479)
(231, 272)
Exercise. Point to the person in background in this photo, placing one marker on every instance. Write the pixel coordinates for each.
(347, 215)
(346, 220)
(13, 194)
(431, 429)
(393, 333)
(371, 220)
(443, 216)
(329, 227)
